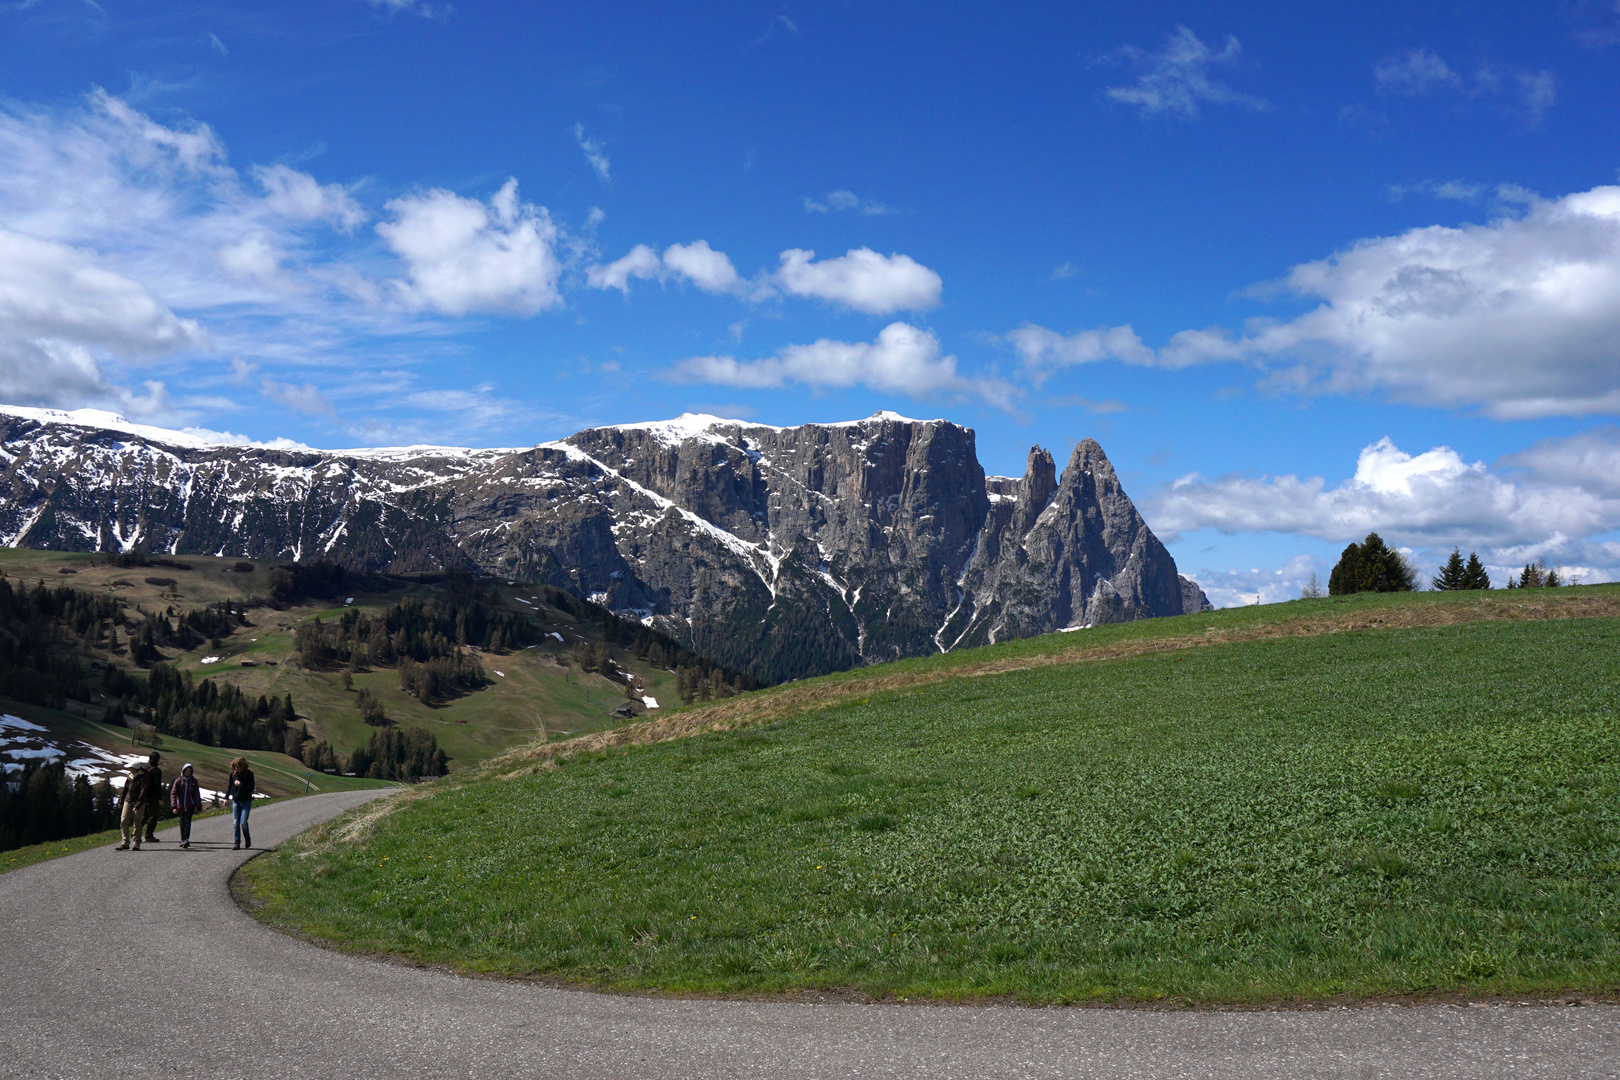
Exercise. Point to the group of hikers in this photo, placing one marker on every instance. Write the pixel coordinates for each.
(140, 804)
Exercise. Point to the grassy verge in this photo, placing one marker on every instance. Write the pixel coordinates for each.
(1282, 815)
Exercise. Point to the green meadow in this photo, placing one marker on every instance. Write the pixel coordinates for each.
(1407, 810)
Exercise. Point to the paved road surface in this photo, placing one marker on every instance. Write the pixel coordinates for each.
(138, 964)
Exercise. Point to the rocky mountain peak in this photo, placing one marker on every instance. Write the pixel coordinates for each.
(782, 551)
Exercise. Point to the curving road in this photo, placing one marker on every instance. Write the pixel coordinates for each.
(140, 965)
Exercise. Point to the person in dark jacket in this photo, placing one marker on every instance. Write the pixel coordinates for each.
(154, 797)
(239, 790)
(185, 799)
(139, 792)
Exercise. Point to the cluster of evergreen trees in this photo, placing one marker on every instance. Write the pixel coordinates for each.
(295, 581)
(441, 677)
(177, 630)
(215, 713)
(703, 681)
(393, 754)
(698, 678)
(1371, 566)
(1536, 575)
(415, 629)
(35, 624)
(43, 803)
(1456, 574)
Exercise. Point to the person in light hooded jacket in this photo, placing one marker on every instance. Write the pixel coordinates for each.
(185, 799)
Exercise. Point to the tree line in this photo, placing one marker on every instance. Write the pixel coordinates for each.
(1373, 566)
(43, 803)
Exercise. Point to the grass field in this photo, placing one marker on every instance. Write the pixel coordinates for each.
(534, 694)
(1385, 796)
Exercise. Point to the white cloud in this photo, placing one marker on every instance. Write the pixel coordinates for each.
(1417, 71)
(1063, 272)
(297, 196)
(1176, 79)
(1520, 315)
(1045, 351)
(51, 291)
(781, 22)
(128, 241)
(427, 11)
(700, 264)
(697, 262)
(1589, 460)
(465, 256)
(62, 314)
(903, 359)
(160, 206)
(844, 199)
(861, 279)
(640, 262)
(255, 258)
(593, 154)
(1431, 499)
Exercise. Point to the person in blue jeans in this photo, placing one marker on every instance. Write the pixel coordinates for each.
(239, 790)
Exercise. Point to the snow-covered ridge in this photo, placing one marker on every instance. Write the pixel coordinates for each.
(702, 425)
(670, 432)
(101, 420)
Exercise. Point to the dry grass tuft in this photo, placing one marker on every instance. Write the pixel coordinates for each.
(355, 828)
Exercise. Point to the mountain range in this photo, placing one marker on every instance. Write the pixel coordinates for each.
(780, 551)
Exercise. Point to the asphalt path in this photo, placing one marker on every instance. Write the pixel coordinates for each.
(139, 964)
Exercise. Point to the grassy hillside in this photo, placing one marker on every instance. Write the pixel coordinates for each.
(1381, 795)
(534, 692)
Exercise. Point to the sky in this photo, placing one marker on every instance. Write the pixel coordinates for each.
(1305, 271)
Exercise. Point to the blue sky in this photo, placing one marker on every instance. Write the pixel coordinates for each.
(1304, 273)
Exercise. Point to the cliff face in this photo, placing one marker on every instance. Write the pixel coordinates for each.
(779, 551)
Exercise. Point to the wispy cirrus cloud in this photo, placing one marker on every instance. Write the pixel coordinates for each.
(1419, 73)
(1177, 81)
(846, 201)
(595, 156)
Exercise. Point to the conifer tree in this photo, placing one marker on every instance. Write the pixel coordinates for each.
(1371, 566)
(1474, 575)
(1452, 575)
(1346, 576)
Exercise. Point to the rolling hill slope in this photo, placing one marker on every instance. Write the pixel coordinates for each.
(531, 692)
(1389, 795)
